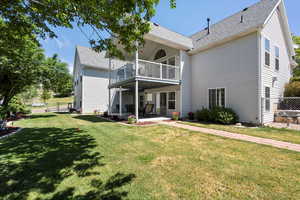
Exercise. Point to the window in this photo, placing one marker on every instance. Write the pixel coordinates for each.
(277, 58)
(267, 97)
(171, 101)
(267, 52)
(160, 54)
(216, 97)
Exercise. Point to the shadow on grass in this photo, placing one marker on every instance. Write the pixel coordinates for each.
(90, 118)
(39, 159)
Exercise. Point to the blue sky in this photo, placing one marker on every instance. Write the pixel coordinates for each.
(186, 18)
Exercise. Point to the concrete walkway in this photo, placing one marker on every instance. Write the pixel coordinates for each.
(258, 140)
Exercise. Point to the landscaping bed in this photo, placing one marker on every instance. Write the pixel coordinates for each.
(8, 131)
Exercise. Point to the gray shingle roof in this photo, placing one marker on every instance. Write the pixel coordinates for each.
(88, 57)
(254, 17)
(161, 33)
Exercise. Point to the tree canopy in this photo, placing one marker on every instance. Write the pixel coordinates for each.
(297, 57)
(126, 20)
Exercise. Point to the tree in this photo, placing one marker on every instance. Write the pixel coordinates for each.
(125, 20)
(60, 79)
(21, 61)
(46, 95)
(292, 89)
(297, 57)
(29, 93)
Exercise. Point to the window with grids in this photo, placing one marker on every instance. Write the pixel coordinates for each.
(277, 63)
(171, 101)
(216, 97)
(267, 52)
(267, 98)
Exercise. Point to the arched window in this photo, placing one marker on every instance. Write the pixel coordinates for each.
(160, 54)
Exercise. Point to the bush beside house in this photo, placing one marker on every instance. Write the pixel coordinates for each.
(217, 115)
(292, 89)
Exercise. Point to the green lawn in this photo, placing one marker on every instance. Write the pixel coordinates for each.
(282, 134)
(54, 100)
(52, 159)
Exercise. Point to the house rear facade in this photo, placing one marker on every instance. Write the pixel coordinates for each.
(242, 62)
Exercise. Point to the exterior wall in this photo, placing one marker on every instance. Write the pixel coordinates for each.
(233, 66)
(95, 91)
(273, 31)
(78, 86)
(186, 84)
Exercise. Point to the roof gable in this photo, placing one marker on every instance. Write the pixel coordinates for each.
(90, 58)
(247, 20)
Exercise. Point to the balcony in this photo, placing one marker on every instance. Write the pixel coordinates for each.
(147, 70)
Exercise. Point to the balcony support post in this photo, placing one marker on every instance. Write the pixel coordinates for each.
(120, 101)
(109, 92)
(137, 100)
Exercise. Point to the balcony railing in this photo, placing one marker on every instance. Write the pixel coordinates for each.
(146, 69)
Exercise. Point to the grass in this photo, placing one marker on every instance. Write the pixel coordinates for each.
(62, 156)
(282, 134)
(54, 100)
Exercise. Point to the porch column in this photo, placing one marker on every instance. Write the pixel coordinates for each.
(109, 92)
(120, 101)
(137, 60)
(137, 100)
(158, 103)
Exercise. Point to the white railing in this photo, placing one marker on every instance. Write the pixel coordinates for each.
(160, 71)
(123, 73)
(146, 69)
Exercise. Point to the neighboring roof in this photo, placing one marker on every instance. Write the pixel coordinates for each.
(254, 17)
(165, 36)
(90, 58)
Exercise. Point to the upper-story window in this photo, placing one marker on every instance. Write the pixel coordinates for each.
(277, 63)
(160, 54)
(267, 52)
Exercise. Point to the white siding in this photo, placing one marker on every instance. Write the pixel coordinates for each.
(95, 91)
(186, 84)
(273, 32)
(78, 86)
(234, 66)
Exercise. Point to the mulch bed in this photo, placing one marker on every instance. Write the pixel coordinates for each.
(8, 131)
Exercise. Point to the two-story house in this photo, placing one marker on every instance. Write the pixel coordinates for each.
(241, 62)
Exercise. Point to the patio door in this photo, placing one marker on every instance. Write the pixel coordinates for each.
(163, 103)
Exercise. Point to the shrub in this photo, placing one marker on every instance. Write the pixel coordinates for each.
(131, 119)
(217, 115)
(292, 89)
(191, 116)
(203, 115)
(224, 116)
(175, 116)
(295, 79)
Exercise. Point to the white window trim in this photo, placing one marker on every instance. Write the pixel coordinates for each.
(265, 110)
(269, 51)
(216, 88)
(171, 100)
